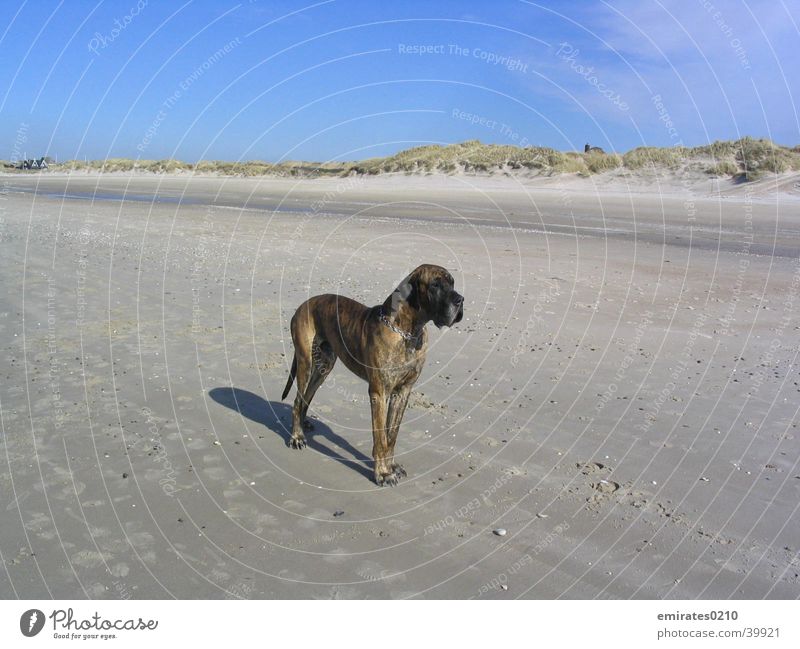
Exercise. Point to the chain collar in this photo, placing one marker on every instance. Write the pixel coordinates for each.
(407, 336)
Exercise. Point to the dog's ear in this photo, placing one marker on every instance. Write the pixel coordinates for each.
(407, 291)
(413, 295)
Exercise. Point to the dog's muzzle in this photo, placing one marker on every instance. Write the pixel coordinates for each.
(451, 310)
(458, 302)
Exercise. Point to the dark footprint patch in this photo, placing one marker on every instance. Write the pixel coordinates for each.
(637, 499)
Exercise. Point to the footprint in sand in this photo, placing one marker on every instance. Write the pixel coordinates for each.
(605, 486)
(588, 468)
(602, 488)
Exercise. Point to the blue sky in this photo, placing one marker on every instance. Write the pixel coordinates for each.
(341, 80)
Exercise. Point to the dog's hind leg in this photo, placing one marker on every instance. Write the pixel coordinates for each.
(298, 438)
(302, 338)
(322, 361)
(311, 374)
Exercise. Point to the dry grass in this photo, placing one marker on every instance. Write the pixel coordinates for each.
(649, 156)
(760, 156)
(725, 168)
(599, 162)
(126, 164)
(747, 156)
(475, 157)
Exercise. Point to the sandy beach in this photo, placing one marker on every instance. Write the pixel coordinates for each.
(615, 417)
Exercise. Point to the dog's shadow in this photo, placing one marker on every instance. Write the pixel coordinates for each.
(277, 416)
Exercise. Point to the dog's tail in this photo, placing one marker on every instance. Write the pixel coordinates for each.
(291, 378)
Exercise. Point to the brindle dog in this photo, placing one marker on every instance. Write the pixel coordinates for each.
(385, 345)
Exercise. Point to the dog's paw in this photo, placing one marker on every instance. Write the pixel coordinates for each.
(297, 442)
(386, 480)
(391, 479)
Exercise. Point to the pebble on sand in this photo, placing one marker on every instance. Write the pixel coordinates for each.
(500, 531)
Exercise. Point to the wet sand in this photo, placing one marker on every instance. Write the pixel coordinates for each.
(621, 396)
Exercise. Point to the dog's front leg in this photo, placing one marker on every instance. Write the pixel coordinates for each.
(380, 446)
(396, 411)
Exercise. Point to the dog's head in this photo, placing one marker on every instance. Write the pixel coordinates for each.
(430, 290)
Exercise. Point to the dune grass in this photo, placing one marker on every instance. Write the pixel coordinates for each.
(650, 156)
(722, 169)
(475, 157)
(747, 157)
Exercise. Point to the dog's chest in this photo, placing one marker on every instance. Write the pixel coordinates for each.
(404, 364)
